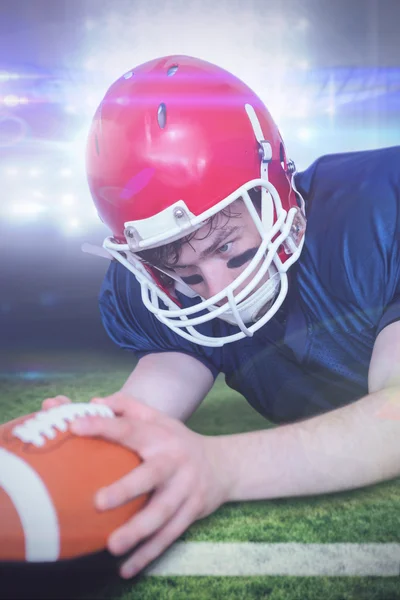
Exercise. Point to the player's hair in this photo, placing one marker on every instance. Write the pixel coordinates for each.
(166, 256)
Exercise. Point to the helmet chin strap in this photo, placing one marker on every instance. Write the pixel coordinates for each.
(248, 311)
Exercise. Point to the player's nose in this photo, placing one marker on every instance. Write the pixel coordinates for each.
(216, 279)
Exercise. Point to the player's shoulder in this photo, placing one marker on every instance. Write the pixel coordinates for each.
(124, 313)
(367, 168)
(132, 326)
(120, 284)
(352, 205)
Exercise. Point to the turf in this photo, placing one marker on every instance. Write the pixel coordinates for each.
(255, 588)
(360, 516)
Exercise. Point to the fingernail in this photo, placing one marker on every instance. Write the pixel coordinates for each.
(127, 572)
(116, 545)
(102, 499)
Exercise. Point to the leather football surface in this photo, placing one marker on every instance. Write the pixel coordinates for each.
(48, 481)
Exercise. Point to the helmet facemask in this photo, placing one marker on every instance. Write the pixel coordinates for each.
(249, 308)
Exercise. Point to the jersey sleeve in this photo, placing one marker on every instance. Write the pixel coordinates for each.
(133, 327)
(391, 314)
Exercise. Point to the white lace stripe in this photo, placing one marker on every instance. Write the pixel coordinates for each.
(47, 423)
(34, 507)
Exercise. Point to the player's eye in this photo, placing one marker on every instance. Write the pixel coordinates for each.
(192, 279)
(242, 259)
(225, 248)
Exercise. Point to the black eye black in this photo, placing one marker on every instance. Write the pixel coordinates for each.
(192, 279)
(242, 259)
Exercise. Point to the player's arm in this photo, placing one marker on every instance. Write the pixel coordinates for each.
(353, 446)
(192, 475)
(173, 382)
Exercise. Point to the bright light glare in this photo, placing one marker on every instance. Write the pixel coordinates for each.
(91, 102)
(11, 100)
(68, 200)
(91, 64)
(11, 171)
(77, 146)
(7, 76)
(35, 172)
(27, 209)
(72, 226)
(304, 133)
(70, 109)
(303, 64)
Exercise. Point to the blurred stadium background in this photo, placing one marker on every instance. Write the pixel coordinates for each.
(328, 70)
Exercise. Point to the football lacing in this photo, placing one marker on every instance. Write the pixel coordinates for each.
(47, 423)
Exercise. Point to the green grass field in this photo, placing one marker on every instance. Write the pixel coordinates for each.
(362, 516)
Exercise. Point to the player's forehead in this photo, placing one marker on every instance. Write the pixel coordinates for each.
(211, 235)
(206, 238)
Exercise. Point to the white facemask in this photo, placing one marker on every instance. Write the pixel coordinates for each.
(250, 308)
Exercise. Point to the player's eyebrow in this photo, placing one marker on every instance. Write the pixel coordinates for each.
(223, 235)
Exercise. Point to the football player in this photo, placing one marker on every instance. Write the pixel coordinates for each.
(227, 260)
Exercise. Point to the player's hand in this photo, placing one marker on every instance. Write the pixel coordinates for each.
(56, 401)
(183, 469)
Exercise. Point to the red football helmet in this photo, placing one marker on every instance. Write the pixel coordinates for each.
(173, 142)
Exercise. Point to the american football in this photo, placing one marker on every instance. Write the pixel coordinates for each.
(48, 480)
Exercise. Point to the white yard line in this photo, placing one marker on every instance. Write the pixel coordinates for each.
(246, 559)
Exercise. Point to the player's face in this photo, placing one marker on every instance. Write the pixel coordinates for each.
(211, 262)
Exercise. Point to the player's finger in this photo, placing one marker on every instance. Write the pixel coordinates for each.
(160, 509)
(142, 480)
(115, 429)
(133, 434)
(122, 404)
(156, 544)
(56, 401)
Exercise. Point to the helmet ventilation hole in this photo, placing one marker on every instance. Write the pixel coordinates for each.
(282, 156)
(162, 115)
(96, 141)
(172, 70)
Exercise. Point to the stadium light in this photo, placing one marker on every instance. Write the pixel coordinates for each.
(72, 226)
(66, 172)
(70, 109)
(68, 200)
(91, 102)
(26, 210)
(11, 100)
(35, 172)
(304, 133)
(12, 171)
(303, 64)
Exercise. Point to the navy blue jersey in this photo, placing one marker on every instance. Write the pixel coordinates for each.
(314, 355)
